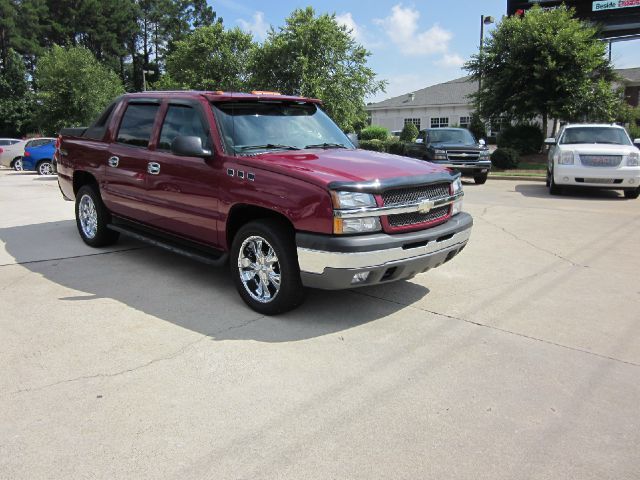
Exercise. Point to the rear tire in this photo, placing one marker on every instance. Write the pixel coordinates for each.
(264, 267)
(45, 167)
(17, 164)
(481, 178)
(632, 194)
(92, 218)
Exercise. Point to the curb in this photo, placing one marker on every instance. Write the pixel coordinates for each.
(517, 177)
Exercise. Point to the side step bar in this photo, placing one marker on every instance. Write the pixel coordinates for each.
(193, 253)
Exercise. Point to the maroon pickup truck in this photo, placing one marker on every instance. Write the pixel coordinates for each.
(264, 181)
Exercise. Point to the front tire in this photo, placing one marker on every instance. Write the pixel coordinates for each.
(481, 178)
(554, 188)
(92, 218)
(45, 168)
(632, 194)
(17, 164)
(264, 267)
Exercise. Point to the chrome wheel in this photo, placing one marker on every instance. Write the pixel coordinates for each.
(88, 216)
(17, 165)
(259, 269)
(45, 168)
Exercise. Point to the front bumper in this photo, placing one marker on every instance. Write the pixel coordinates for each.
(332, 262)
(469, 168)
(602, 177)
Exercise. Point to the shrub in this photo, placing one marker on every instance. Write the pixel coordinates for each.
(634, 131)
(526, 139)
(505, 158)
(374, 132)
(409, 133)
(477, 126)
(376, 145)
(395, 146)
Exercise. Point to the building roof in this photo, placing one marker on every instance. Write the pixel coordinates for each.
(454, 92)
(630, 75)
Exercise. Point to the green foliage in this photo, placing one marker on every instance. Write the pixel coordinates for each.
(211, 58)
(545, 64)
(375, 144)
(374, 132)
(73, 88)
(505, 158)
(524, 138)
(394, 146)
(477, 126)
(634, 131)
(16, 100)
(409, 132)
(314, 56)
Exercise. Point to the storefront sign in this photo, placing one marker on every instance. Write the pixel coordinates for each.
(614, 4)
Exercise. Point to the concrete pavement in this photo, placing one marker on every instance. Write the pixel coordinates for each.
(518, 359)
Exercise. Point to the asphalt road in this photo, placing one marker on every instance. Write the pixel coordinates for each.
(520, 359)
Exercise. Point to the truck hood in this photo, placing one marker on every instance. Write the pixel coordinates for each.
(322, 167)
(599, 148)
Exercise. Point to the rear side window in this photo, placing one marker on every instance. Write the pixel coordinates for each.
(4, 142)
(182, 120)
(98, 129)
(39, 142)
(137, 124)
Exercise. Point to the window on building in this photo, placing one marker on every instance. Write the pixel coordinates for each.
(465, 122)
(439, 122)
(415, 121)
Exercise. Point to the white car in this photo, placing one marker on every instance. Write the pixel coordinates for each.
(11, 151)
(593, 155)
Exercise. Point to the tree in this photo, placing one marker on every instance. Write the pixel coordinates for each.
(477, 126)
(210, 58)
(73, 88)
(314, 56)
(409, 132)
(545, 63)
(16, 99)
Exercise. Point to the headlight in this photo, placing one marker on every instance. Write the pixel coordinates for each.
(633, 160)
(352, 200)
(566, 158)
(356, 225)
(484, 154)
(457, 188)
(440, 154)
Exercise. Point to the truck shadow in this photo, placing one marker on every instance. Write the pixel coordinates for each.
(539, 190)
(179, 290)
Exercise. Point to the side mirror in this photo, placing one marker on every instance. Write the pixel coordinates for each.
(419, 140)
(636, 142)
(187, 146)
(550, 141)
(481, 142)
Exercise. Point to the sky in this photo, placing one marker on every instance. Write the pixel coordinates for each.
(413, 44)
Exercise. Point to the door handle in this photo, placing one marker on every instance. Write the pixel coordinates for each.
(153, 168)
(113, 161)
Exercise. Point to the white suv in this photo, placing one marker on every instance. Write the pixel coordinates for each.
(11, 152)
(592, 155)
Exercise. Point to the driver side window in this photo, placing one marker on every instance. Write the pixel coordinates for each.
(182, 120)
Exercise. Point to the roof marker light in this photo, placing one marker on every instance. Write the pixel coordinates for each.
(264, 92)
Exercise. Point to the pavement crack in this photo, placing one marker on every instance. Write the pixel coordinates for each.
(533, 245)
(235, 327)
(498, 329)
(171, 356)
(110, 252)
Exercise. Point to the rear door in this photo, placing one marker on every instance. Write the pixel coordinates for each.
(128, 157)
(183, 191)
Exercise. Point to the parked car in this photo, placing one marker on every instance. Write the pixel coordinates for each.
(268, 182)
(38, 155)
(590, 155)
(11, 151)
(455, 148)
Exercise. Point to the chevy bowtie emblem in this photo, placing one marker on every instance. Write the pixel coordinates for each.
(425, 206)
(464, 155)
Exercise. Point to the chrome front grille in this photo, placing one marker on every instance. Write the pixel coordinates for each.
(403, 196)
(600, 160)
(413, 218)
(463, 155)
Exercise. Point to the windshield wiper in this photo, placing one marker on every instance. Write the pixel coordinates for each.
(268, 146)
(326, 145)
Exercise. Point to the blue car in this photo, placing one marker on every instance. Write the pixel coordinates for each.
(38, 155)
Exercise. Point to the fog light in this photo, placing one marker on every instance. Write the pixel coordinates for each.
(566, 179)
(360, 278)
(632, 181)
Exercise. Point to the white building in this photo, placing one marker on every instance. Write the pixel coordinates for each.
(448, 104)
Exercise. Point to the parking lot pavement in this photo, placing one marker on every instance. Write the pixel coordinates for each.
(518, 359)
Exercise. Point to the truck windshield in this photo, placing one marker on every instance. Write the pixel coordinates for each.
(256, 127)
(616, 136)
(443, 135)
